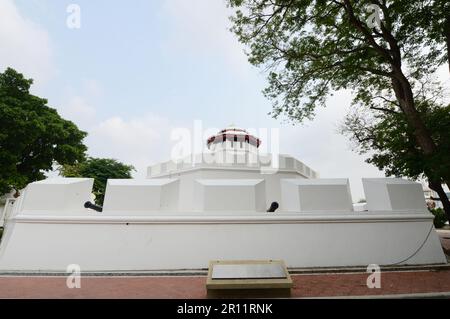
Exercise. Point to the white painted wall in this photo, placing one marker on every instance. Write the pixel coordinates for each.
(102, 244)
(58, 196)
(393, 194)
(188, 183)
(141, 196)
(238, 161)
(48, 237)
(299, 195)
(230, 195)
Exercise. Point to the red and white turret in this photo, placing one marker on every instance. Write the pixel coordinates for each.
(233, 138)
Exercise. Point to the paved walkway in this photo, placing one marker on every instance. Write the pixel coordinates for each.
(319, 285)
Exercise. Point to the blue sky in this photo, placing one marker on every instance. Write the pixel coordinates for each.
(137, 69)
(147, 59)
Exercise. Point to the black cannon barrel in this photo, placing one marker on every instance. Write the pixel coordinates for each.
(273, 207)
(93, 206)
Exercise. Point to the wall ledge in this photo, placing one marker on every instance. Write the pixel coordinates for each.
(293, 218)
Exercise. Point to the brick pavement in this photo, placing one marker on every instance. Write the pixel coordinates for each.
(305, 285)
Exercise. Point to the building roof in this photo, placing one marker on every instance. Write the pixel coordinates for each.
(235, 134)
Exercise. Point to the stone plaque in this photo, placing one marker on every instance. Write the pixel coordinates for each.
(248, 271)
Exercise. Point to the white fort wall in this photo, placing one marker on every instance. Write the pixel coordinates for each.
(209, 166)
(44, 236)
(188, 183)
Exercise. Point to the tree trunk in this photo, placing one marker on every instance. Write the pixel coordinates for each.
(437, 187)
(447, 39)
(405, 97)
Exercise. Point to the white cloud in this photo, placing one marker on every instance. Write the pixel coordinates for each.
(78, 110)
(93, 88)
(140, 141)
(202, 27)
(25, 45)
(79, 105)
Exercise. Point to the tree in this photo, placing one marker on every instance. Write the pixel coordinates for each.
(100, 169)
(439, 219)
(430, 20)
(376, 48)
(33, 137)
(391, 145)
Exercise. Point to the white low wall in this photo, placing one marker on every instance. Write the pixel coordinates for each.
(140, 196)
(300, 195)
(116, 243)
(45, 237)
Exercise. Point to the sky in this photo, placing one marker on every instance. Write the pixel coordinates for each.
(135, 70)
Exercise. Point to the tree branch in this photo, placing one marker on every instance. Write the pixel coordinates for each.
(358, 24)
(382, 109)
